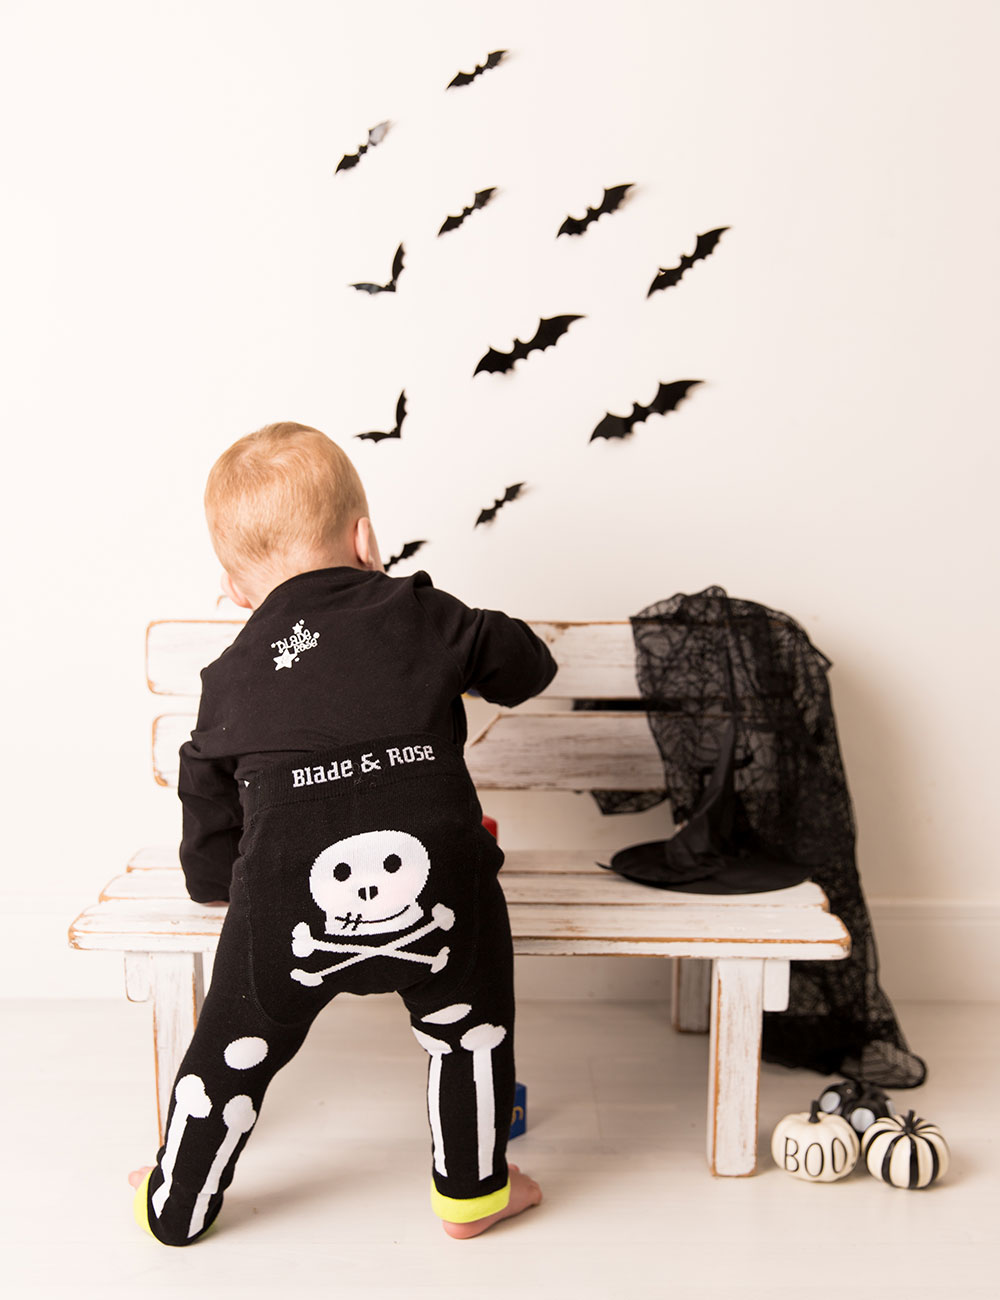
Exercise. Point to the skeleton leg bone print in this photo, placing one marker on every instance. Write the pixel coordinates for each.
(239, 1117)
(480, 1041)
(436, 1048)
(448, 1015)
(191, 1101)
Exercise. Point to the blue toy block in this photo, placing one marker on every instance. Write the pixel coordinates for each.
(519, 1119)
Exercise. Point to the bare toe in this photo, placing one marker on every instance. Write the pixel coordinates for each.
(524, 1193)
(137, 1175)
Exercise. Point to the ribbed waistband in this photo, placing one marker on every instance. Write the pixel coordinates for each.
(369, 764)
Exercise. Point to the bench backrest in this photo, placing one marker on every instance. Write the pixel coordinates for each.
(596, 660)
(529, 750)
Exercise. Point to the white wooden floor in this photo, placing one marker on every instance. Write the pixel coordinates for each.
(331, 1195)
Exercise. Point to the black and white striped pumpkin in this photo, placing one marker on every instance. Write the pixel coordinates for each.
(906, 1152)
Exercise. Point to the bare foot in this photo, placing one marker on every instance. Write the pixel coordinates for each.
(524, 1193)
(137, 1175)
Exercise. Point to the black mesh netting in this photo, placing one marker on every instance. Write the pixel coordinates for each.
(740, 709)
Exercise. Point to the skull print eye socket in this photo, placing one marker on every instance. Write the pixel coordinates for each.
(393, 862)
(341, 871)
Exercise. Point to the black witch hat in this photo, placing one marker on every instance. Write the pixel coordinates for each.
(716, 850)
(739, 705)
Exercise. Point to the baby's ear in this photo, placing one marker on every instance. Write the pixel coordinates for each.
(230, 589)
(366, 546)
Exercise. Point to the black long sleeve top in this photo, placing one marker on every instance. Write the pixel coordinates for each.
(330, 658)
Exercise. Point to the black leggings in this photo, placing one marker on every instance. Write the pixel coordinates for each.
(365, 871)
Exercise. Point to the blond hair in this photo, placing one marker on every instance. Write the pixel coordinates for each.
(285, 490)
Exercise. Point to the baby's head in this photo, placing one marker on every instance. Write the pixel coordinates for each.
(282, 501)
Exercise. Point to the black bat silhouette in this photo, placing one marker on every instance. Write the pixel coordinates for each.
(409, 548)
(375, 136)
(396, 431)
(669, 275)
(668, 398)
(397, 266)
(480, 201)
(550, 331)
(463, 78)
(490, 513)
(611, 202)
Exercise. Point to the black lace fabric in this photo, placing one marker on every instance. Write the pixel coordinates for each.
(734, 687)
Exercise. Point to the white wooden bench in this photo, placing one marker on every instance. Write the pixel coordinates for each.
(731, 952)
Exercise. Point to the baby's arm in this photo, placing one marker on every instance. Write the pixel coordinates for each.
(507, 663)
(498, 656)
(212, 826)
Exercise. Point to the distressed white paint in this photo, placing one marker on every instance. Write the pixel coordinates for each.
(204, 962)
(166, 925)
(178, 649)
(170, 731)
(516, 751)
(153, 857)
(652, 928)
(528, 876)
(758, 931)
(734, 1066)
(565, 751)
(138, 977)
(692, 994)
(596, 660)
(777, 980)
(934, 948)
(176, 995)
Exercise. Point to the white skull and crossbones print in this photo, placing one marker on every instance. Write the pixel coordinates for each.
(370, 884)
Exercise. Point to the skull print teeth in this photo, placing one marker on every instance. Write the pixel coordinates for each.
(370, 881)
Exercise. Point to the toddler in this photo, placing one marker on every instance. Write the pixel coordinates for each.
(325, 798)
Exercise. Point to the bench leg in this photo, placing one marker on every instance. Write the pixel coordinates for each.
(734, 1065)
(177, 998)
(777, 976)
(174, 982)
(692, 990)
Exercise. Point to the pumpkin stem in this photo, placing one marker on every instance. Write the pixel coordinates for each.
(814, 1113)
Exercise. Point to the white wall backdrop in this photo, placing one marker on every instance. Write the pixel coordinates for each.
(178, 249)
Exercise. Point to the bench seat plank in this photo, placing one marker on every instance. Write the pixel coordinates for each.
(148, 925)
(528, 876)
(792, 934)
(175, 923)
